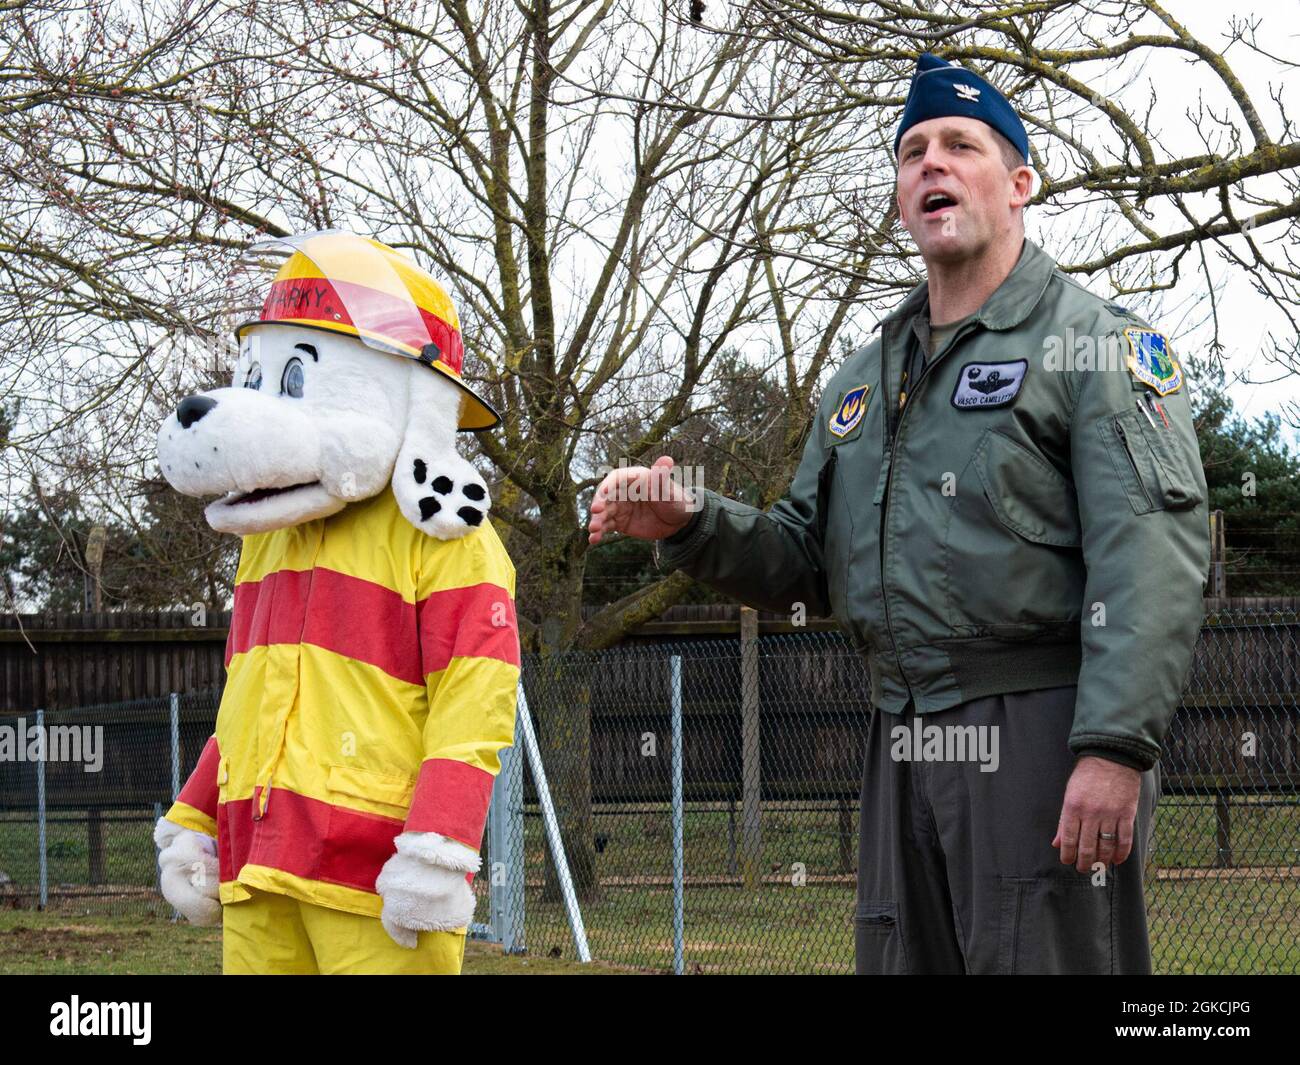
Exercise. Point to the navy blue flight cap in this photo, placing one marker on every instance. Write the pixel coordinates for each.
(940, 90)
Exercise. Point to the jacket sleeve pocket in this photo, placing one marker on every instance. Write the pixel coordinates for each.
(1026, 492)
(1150, 462)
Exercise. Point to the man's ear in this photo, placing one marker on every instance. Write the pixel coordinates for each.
(437, 490)
(1022, 185)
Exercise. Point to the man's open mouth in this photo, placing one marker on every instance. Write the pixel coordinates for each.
(937, 201)
(258, 494)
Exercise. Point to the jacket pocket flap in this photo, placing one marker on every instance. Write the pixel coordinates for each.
(877, 913)
(1159, 459)
(369, 784)
(1027, 493)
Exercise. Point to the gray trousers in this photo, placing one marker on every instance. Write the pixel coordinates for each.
(956, 871)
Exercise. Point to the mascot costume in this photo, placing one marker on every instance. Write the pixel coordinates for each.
(332, 824)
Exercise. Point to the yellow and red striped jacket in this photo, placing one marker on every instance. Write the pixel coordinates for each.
(371, 684)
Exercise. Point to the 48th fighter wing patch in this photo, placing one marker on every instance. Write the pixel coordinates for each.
(989, 384)
(850, 411)
(1151, 362)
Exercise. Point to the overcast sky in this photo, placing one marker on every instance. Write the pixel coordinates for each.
(1246, 316)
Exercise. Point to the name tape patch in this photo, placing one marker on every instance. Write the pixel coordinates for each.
(989, 384)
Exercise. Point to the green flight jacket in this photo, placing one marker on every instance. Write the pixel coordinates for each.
(1033, 516)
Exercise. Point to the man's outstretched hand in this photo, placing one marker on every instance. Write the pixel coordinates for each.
(639, 501)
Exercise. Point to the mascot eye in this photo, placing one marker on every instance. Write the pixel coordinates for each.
(254, 378)
(291, 379)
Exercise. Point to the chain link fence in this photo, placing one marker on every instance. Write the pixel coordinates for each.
(76, 826)
(707, 801)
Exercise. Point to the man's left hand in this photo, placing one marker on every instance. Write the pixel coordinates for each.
(1102, 796)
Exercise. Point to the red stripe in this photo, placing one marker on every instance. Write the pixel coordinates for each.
(355, 618)
(451, 798)
(314, 299)
(473, 622)
(200, 789)
(305, 837)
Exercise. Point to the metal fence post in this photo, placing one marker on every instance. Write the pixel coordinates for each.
(679, 862)
(174, 707)
(553, 837)
(751, 818)
(175, 700)
(506, 847)
(505, 833)
(42, 842)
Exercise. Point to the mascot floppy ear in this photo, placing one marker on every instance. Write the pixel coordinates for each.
(438, 491)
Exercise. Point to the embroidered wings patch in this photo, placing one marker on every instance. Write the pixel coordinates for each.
(989, 384)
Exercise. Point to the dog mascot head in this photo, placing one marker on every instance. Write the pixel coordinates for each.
(348, 381)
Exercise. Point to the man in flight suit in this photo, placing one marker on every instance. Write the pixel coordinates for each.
(1002, 503)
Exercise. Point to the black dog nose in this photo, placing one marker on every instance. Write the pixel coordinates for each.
(192, 408)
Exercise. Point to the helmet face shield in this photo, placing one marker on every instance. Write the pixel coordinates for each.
(344, 283)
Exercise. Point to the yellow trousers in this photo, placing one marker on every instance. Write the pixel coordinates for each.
(274, 935)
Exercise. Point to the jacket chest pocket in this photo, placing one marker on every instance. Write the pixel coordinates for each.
(1152, 464)
(1026, 492)
(1011, 558)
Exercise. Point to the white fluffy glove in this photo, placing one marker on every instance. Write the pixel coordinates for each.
(191, 879)
(423, 886)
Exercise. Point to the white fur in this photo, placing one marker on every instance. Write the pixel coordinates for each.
(431, 437)
(363, 420)
(423, 887)
(190, 875)
(439, 850)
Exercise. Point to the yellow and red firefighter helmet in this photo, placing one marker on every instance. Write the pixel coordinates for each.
(345, 283)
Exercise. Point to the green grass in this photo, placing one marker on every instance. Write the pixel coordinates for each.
(1245, 925)
(69, 943)
(775, 929)
(64, 943)
(128, 850)
(1262, 834)
(1198, 923)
